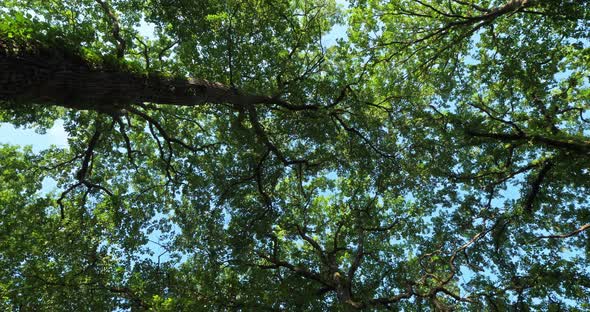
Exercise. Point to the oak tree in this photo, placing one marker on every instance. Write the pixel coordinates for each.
(435, 157)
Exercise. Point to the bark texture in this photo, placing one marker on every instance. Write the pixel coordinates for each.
(58, 77)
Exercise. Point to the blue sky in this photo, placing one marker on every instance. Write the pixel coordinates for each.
(27, 136)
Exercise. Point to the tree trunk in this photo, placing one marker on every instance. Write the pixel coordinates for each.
(64, 79)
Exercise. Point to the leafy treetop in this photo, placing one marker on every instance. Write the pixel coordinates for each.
(436, 158)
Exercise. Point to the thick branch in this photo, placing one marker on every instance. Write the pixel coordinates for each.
(571, 145)
(51, 76)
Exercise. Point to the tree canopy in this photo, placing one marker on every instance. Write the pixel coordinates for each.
(435, 157)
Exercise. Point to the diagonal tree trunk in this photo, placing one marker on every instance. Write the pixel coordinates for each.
(43, 76)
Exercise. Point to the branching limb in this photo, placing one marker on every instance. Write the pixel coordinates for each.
(145, 53)
(386, 301)
(162, 131)
(128, 293)
(536, 186)
(358, 257)
(63, 196)
(452, 264)
(302, 233)
(299, 270)
(473, 5)
(127, 141)
(84, 169)
(258, 172)
(262, 135)
(165, 49)
(566, 235)
(336, 239)
(489, 112)
(60, 164)
(258, 176)
(116, 29)
(571, 145)
(360, 135)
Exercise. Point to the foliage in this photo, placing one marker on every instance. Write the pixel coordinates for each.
(435, 159)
